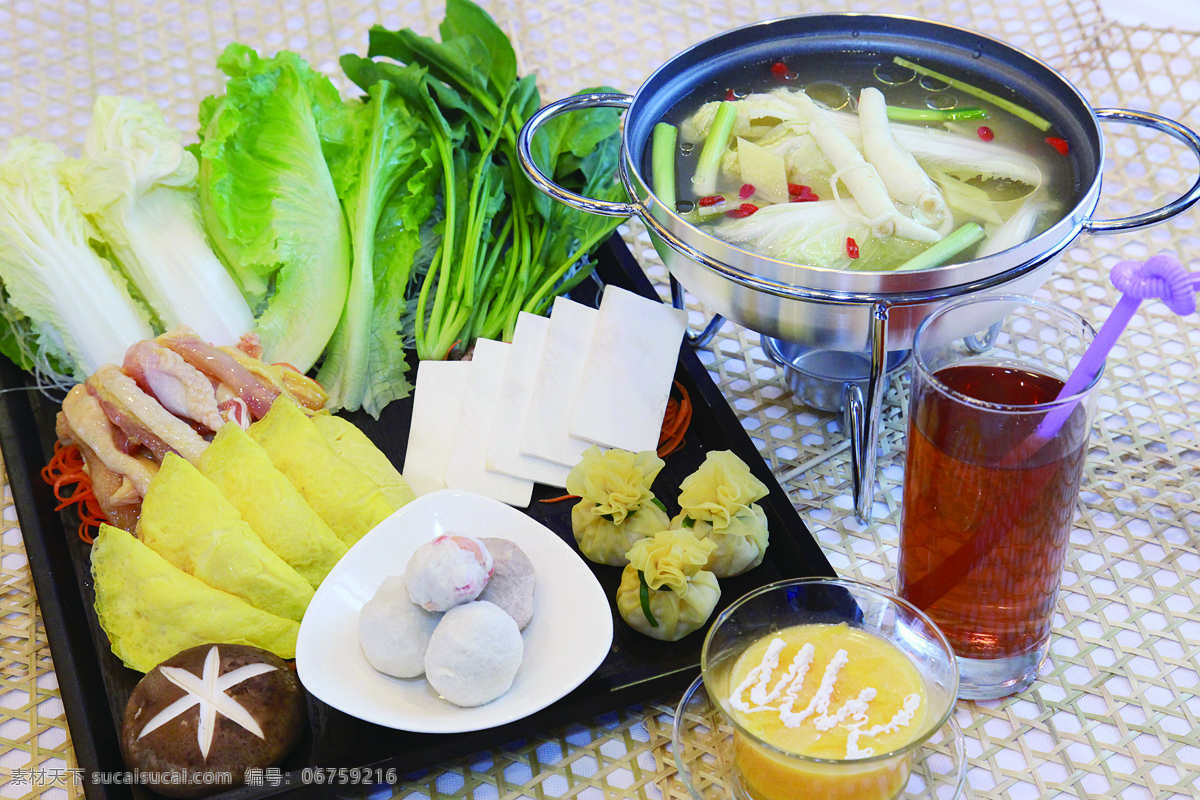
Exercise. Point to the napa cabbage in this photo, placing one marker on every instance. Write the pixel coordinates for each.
(1018, 227)
(137, 185)
(64, 310)
(815, 234)
(933, 149)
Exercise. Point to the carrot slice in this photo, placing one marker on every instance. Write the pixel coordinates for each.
(65, 468)
(675, 422)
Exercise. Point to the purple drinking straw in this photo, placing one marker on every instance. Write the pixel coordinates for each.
(1160, 276)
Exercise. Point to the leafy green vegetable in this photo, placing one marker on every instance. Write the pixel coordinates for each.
(137, 184)
(1016, 228)
(269, 201)
(64, 310)
(504, 246)
(803, 233)
(967, 199)
(390, 168)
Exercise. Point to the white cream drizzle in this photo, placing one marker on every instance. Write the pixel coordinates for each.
(852, 714)
(759, 678)
(901, 720)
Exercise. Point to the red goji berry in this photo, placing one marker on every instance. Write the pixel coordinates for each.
(1058, 144)
(710, 200)
(851, 247)
(799, 193)
(779, 69)
(985, 133)
(744, 210)
(746, 190)
(729, 95)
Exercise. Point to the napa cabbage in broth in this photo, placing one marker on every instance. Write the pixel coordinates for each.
(896, 171)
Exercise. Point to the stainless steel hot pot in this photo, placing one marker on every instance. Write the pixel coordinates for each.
(872, 312)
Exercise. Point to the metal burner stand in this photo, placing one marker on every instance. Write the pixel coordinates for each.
(861, 408)
(861, 411)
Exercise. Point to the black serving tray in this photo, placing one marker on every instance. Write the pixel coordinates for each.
(95, 685)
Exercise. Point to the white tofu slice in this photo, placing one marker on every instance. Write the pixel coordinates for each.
(546, 432)
(630, 366)
(512, 404)
(437, 400)
(467, 469)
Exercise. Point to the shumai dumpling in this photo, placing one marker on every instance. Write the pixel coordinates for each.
(717, 503)
(681, 594)
(616, 507)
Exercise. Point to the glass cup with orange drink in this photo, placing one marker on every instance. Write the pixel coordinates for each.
(828, 689)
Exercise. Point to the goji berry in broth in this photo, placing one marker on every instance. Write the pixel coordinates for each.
(1058, 144)
(746, 191)
(779, 69)
(985, 133)
(711, 200)
(744, 210)
(799, 193)
(851, 247)
(730, 96)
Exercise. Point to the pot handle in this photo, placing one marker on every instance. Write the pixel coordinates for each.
(1177, 206)
(545, 183)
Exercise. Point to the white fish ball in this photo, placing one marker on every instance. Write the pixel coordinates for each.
(447, 571)
(474, 654)
(512, 583)
(394, 631)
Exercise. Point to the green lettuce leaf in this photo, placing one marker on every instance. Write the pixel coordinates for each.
(390, 169)
(269, 201)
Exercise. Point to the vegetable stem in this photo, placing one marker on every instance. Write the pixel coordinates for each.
(662, 162)
(899, 114)
(662, 165)
(545, 288)
(1039, 122)
(644, 596)
(942, 251)
(705, 180)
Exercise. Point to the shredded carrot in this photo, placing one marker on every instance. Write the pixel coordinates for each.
(675, 422)
(66, 467)
(561, 498)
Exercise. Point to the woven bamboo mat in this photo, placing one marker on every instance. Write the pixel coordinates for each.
(1116, 711)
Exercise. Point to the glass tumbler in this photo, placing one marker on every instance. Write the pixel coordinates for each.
(992, 473)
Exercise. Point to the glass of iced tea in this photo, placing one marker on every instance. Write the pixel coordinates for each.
(992, 475)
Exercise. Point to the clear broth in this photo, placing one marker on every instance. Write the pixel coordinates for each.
(836, 82)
